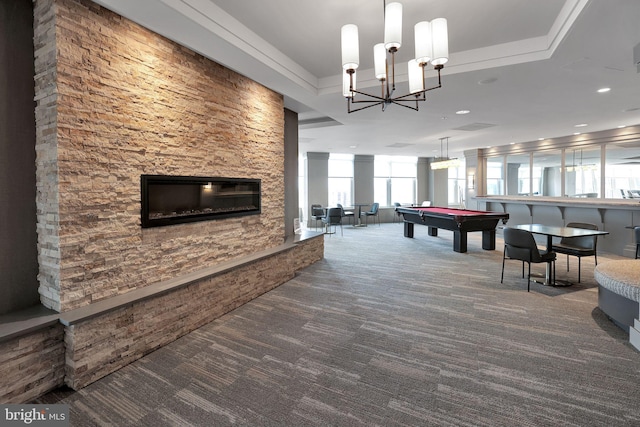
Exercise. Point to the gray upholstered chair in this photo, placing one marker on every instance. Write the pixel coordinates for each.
(333, 218)
(348, 214)
(396, 214)
(317, 213)
(636, 233)
(373, 212)
(520, 245)
(578, 246)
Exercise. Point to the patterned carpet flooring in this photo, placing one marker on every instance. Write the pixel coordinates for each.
(388, 331)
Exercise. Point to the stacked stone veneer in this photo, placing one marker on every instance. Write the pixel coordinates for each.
(99, 346)
(32, 364)
(115, 101)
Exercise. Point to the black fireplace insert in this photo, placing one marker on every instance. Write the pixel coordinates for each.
(168, 200)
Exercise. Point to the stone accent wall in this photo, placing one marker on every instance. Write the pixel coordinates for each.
(32, 365)
(115, 101)
(101, 345)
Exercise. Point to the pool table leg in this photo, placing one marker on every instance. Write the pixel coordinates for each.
(408, 229)
(432, 231)
(489, 240)
(460, 241)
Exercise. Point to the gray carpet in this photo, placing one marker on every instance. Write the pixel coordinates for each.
(388, 331)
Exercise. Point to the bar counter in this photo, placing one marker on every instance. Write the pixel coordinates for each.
(614, 215)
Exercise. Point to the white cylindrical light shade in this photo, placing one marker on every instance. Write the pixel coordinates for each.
(350, 47)
(393, 26)
(415, 76)
(424, 42)
(346, 84)
(440, 41)
(380, 61)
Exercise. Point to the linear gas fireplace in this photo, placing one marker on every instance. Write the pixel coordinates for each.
(170, 200)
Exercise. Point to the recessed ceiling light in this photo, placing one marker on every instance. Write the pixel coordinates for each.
(540, 139)
(581, 125)
(576, 133)
(353, 146)
(463, 112)
(604, 89)
(512, 143)
(622, 126)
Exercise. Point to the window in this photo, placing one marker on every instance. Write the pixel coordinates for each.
(495, 184)
(395, 180)
(456, 183)
(518, 175)
(546, 174)
(582, 173)
(622, 171)
(302, 187)
(340, 179)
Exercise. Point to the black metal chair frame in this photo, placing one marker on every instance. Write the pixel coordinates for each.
(520, 245)
(578, 246)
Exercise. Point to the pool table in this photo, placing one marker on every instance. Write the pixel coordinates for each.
(460, 221)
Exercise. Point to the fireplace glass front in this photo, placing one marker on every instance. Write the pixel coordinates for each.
(168, 200)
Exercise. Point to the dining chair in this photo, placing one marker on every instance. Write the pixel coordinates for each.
(397, 214)
(520, 245)
(348, 214)
(317, 213)
(373, 212)
(578, 246)
(333, 218)
(636, 232)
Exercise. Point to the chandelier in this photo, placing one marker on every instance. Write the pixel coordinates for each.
(445, 162)
(431, 45)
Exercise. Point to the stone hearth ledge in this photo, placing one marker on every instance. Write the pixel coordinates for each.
(157, 289)
(14, 325)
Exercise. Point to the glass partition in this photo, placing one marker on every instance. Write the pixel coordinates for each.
(546, 176)
(582, 174)
(622, 170)
(518, 175)
(495, 176)
(608, 170)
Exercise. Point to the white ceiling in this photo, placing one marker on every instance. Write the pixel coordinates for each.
(525, 69)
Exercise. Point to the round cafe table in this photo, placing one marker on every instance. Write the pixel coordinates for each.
(359, 206)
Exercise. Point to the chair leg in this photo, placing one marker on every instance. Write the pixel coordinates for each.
(579, 266)
(502, 275)
(567, 262)
(529, 278)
